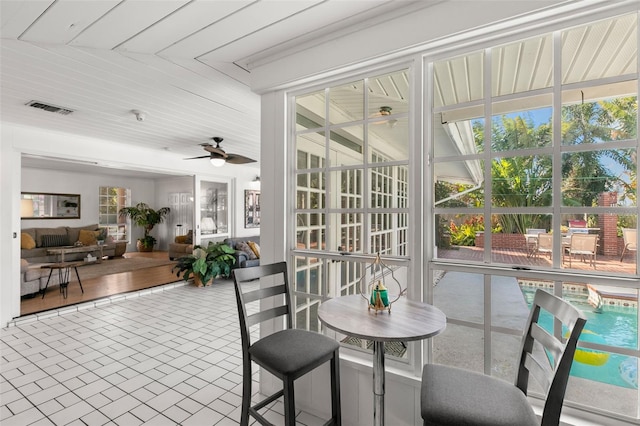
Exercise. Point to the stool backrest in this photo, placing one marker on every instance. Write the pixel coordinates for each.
(272, 291)
(550, 366)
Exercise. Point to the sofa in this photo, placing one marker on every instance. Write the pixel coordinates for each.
(31, 277)
(245, 257)
(183, 246)
(35, 242)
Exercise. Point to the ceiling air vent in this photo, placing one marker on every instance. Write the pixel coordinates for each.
(50, 108)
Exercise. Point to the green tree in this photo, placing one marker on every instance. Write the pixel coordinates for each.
(520, 181)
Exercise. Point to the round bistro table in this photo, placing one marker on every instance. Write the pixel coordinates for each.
(408, 320)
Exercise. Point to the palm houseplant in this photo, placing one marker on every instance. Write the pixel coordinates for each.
(147, 218)
(206, 263)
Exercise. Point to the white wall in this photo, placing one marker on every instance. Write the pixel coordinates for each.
(9, 229)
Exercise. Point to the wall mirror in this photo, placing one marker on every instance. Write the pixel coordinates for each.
(251, 208)
(40, 205)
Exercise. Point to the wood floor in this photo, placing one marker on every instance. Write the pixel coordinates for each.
(107, 285)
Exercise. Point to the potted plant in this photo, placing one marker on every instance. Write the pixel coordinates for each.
(146, 217)
(204, 264)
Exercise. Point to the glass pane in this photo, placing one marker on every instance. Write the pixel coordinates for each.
(458, 80)
(346, 103)
(599, 114)
(520, 129)
(525, 181)
(346, 146)
(388, 94)
(348, 186)
(310, 231)
(310, 151)
(600, 50)
(347, 231)
(458, 133)
(522, 66)
(464, 229)
(451, 191)
(516, 239)
(389, 140)
(586, 175)
(308, 275)
(382, 188)
(310, 193)
(460, 346)
(608, 230)
(310, 110)
(389, 233)
(447, 296)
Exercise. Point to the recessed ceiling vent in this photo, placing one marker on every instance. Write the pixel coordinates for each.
(50, 108)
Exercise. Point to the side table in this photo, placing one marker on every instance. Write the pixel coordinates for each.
(64, 269)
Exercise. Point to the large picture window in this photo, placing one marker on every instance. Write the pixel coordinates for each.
(352, 184)
(535, 170)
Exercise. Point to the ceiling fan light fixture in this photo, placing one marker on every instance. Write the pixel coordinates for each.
(385, 110)
(217, 162)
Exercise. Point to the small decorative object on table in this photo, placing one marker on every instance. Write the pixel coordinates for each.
(376, 292)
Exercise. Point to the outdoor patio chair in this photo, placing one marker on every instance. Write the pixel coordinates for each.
(532, 240)
(454, 396)
(583, 245)
(630, 238)
(287, 354)
(544, 244)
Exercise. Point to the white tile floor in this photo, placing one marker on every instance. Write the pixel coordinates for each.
(163, 358)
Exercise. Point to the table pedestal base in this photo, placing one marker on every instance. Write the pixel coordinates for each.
(378, 383)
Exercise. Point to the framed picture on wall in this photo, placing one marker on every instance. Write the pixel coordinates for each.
(251, 208)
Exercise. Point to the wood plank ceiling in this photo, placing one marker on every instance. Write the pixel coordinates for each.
(186, 64)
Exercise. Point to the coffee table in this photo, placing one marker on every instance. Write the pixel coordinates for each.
(61, 251)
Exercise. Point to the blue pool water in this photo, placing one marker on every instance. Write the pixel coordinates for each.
(615, 326)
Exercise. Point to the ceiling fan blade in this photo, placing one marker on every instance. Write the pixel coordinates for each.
(214, 149)
(238, 159)
(195, 158)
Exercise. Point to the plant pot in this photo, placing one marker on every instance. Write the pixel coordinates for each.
(142, 248)
(197, 280)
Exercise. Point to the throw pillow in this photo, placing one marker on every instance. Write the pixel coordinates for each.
(181, 239)
(27, 241)
(244, 247)
(87, 238)
(255, 247)
(55, 240)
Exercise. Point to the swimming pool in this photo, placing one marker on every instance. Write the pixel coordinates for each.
(615, 326)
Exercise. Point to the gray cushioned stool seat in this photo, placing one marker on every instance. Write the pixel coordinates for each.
(292, 351)
(450, 394)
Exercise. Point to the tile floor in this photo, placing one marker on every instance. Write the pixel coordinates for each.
(163, 357)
